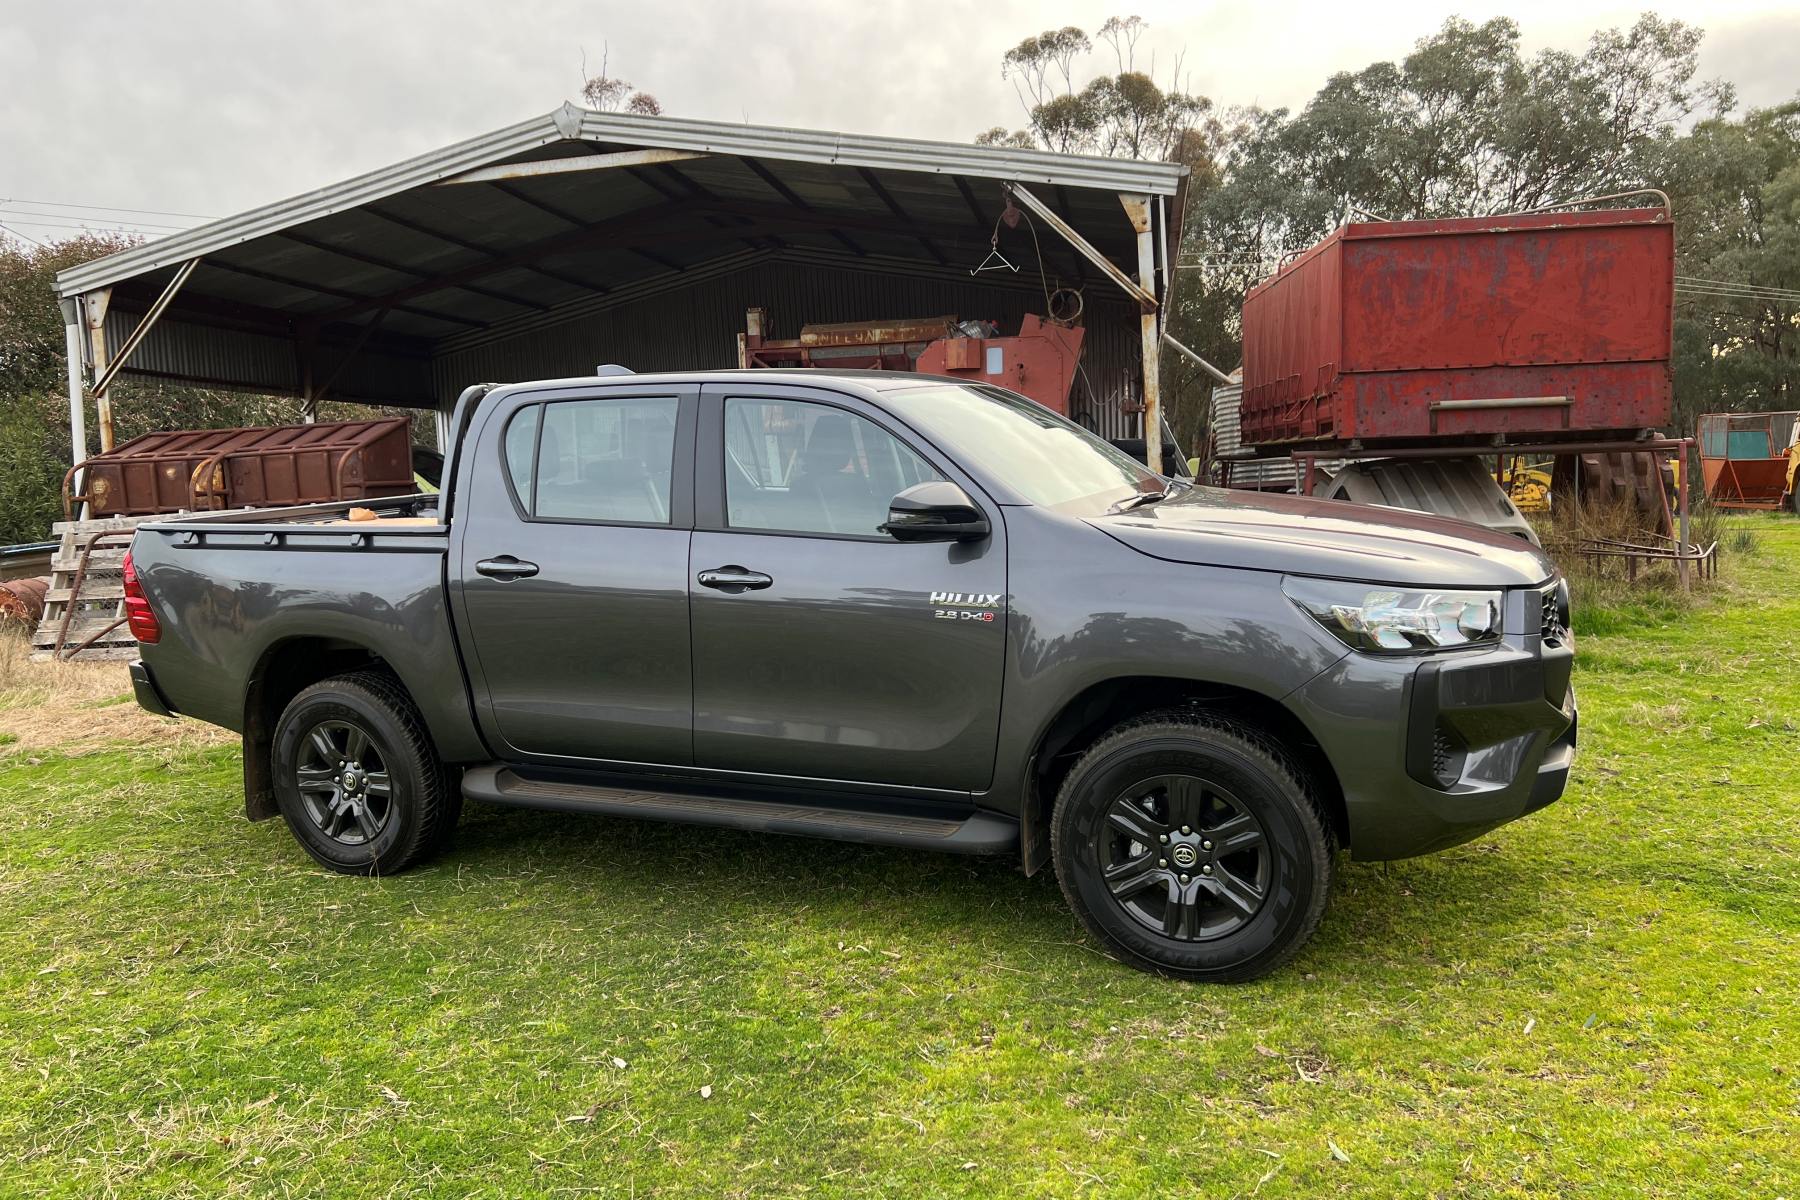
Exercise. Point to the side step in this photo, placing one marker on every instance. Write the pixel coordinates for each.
(977, 833)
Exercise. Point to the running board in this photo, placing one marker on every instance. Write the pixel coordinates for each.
(978, 833)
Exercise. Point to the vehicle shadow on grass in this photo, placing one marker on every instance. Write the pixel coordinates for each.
(1453, 907)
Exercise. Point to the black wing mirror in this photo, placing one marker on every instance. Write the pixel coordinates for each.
(938, 511)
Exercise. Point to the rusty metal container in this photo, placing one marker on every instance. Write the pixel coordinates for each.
(1746, 459)
(203, 469)
(1040, 362)
(1537, 327)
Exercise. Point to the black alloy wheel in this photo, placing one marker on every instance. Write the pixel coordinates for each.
(343, 782)
(1183, 857)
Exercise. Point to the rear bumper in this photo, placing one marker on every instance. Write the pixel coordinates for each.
(1433, 752)
(148, 697)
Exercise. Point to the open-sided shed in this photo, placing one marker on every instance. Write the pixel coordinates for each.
(581, 238)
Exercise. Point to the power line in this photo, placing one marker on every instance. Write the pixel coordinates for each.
(22, 236)
(92, 228)
(1738, 285)
(1738, 294)
(148, 212)
(22, 214)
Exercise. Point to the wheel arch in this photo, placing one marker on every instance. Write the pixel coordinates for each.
(284, 668)
(1088, 715)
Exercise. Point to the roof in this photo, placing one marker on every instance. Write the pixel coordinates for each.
(439, 259)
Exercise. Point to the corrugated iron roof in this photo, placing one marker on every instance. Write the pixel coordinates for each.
(367, 288)
(529, 209)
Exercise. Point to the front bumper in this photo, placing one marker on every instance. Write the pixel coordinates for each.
(148, 697)
(1434, 751)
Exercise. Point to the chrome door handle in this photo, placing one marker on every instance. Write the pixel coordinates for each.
(733, 578)
(506, 567)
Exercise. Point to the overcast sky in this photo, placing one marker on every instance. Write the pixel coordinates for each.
(212, 106)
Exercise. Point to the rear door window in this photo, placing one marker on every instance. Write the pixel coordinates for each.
(609, 460)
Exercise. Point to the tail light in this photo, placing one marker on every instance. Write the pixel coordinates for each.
(138, 613)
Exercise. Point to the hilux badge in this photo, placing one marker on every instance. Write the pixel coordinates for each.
(965, 599)
(965, 606)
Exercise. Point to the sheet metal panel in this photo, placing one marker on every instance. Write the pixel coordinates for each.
(239, 360)
(1268, 474)
(1388, 330)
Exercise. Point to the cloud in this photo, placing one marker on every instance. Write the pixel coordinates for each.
(213, 106)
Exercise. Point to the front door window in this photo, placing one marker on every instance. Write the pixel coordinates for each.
(796, 467)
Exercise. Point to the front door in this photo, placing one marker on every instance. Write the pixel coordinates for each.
(572, 574)
(822, 647)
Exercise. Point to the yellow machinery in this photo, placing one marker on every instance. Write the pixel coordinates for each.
(1526, 484)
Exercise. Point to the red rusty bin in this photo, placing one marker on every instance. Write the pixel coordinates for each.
(263, 467)
(1544, 326)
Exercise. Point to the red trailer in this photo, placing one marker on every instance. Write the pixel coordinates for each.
(1541, 327)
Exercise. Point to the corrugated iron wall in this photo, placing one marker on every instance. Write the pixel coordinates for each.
(1273, 474)
(695, 327)
(260, 362)
(690, 323)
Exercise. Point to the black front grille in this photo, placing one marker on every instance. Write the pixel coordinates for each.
(1440, 756)
(1554, 626)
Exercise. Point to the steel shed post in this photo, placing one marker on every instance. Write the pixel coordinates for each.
(1137, 208)
(93, 308)
(71, 310)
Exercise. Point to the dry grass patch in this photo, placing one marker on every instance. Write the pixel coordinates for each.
(76, 707)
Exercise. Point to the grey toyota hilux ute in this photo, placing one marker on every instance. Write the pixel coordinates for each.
(880, 608)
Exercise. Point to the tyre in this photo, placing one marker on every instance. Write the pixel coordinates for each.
(1192, 845)
(357, 779)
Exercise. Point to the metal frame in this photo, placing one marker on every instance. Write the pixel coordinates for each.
(557, 166)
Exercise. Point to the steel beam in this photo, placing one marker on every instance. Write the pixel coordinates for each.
(324, 389)
(1217, 374)
(144, 325)
(1145, 296)
(562, 166)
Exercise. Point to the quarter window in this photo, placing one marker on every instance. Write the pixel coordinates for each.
(795, 467)
(521, 441)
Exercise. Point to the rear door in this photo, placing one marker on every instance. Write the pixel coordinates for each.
(570, 570)
(822, 647)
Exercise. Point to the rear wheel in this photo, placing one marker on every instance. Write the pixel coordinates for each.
(1192, 845)
(357, 779)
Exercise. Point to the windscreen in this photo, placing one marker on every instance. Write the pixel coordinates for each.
(1044, 457)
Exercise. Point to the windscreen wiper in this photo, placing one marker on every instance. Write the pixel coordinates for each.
(1131, 502)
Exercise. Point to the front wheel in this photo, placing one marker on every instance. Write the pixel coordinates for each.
(1192, 845)
(356, 776)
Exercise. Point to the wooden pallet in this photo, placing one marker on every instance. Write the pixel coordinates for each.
(98, 603)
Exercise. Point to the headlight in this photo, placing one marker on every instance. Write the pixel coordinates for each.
(1390, 620)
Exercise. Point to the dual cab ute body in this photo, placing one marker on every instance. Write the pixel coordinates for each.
(881, 608)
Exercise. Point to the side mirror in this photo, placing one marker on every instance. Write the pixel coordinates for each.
(938, 511)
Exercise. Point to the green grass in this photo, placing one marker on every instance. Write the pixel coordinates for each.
(1599, 1000)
